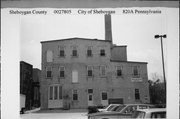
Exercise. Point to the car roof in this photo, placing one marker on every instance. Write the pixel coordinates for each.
(152, 110)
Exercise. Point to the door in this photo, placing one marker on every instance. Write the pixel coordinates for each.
(55, 96)
(90, 99)
(104, 98)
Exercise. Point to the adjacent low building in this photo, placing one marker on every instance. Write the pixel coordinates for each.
(81, 72)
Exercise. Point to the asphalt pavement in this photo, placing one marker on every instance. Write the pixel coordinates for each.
(55, 114)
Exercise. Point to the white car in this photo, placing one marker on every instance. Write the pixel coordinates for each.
(109, 108)
(154, 113)
(119, 112)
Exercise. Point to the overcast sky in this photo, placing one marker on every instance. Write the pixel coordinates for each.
(135, 31)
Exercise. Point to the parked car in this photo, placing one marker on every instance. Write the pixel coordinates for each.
(154, 113)
(108, 108)
(120, 112)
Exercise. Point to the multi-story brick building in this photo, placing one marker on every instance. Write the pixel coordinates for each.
(36, 87)
(26, 83)
(79, 72)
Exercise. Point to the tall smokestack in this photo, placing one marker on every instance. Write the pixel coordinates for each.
(108, 31)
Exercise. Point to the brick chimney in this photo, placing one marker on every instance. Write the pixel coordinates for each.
(108, 31)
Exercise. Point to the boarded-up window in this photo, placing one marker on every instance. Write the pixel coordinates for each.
(49, 56)
(74, 76)
(102, 70)
(135, 71)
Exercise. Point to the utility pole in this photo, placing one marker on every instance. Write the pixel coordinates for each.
(161, 38)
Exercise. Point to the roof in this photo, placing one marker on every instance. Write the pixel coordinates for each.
(128, 61)
(152, 110)
(75, 38)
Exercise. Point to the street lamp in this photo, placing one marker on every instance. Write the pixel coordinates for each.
(162, 36)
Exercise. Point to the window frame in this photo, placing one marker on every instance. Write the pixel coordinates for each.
(74, 51)
(102, 95)
(62, 52)
(90, 68)
(90, 91)
(75, 95)
(137, 94)
(102, 52)
(89, 54)
(117, 69)
(47, 72)
(136, 71)
(61, 71)
(102, 73)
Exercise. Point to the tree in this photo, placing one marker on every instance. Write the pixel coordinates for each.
(157, 90)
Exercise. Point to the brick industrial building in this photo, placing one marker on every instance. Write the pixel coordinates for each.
(80, 72)
(29, 85)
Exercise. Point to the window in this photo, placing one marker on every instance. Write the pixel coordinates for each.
(102, 70)
(55, 93)
(51, 93)
(75, 95)
(49, 56)
(135, 71)
(90, 97)
(90, 71)
(137, 95)
(62, 72)
(104, 95)
(61, 52)
(119, 71)
(74, 76)
(89, 52)
(60, 92)
(130, 109)
(102, 52)
(90, 91)
(74, 52)
(48, 72)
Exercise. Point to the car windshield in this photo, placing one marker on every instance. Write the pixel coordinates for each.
(138, 114)
(118, 108)
(110, 107)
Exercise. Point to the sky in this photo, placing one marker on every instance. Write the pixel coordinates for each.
(135, 31)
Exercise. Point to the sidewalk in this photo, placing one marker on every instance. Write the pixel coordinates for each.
(33, 110)
(61, 111)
